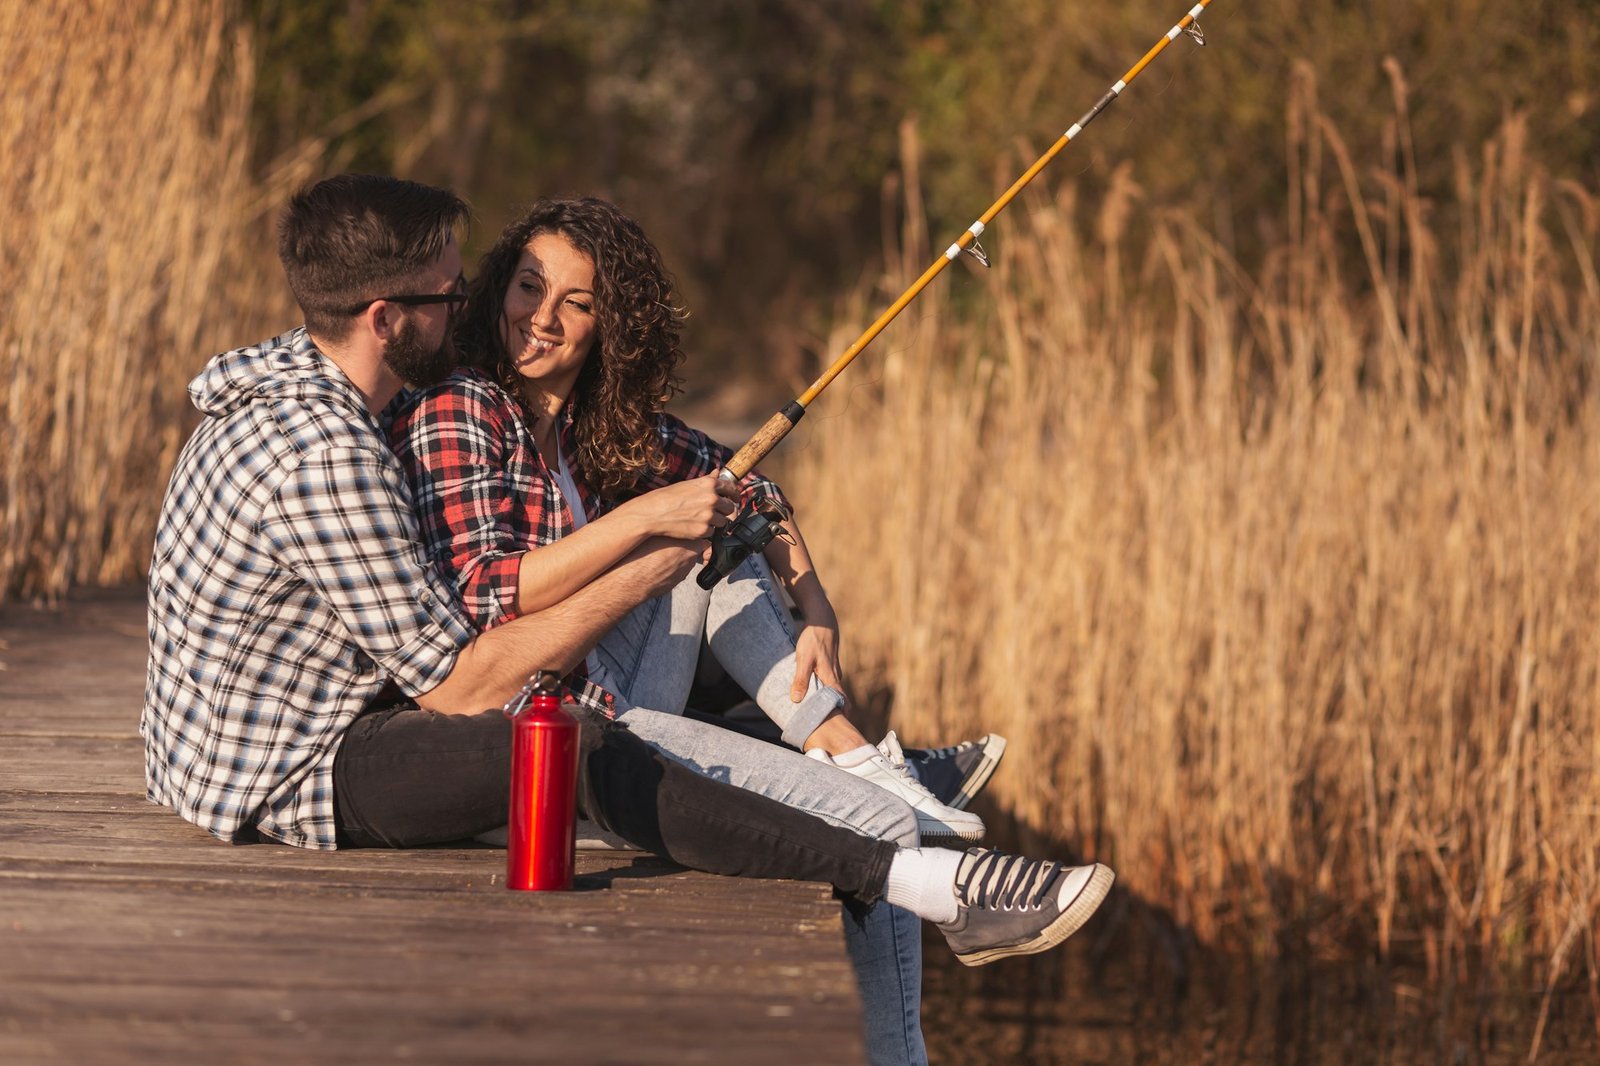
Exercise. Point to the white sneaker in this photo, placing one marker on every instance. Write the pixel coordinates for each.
(887, 769)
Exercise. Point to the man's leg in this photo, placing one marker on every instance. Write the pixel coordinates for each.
(390, 788)
(405, 777)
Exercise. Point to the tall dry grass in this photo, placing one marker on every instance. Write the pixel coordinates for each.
(129, 251)
(1285, 587)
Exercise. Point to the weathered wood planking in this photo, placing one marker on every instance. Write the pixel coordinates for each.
(127, 935)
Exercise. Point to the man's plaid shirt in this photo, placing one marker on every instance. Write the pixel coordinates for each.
(484, 494)
(288, 589)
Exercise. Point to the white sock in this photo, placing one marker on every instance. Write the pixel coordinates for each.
(855, 756)
(923, 881)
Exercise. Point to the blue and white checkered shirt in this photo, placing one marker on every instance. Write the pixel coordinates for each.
(289, 586)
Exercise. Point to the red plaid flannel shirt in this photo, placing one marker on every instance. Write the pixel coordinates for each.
(484, 494)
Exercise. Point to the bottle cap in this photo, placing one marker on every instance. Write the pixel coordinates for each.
(540, 683)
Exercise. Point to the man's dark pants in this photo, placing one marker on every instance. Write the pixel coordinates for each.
(404, 777)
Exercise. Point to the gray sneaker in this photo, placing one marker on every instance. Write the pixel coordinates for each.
(1014, 905)
(955, 775)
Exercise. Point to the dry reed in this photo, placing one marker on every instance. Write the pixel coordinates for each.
(126, 257)
(1285, 588)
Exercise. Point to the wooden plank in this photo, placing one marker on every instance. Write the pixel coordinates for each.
(89, 764)
(68, 713)
(100, 955)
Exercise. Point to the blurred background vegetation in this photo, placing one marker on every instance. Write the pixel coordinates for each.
(755, 140)
(763, 145)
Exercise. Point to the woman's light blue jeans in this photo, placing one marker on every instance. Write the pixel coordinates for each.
(648, 662)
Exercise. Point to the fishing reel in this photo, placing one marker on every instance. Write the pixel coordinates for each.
(751, 530)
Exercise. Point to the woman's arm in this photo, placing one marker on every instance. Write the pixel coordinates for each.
(791, 564)
(458, 447)
(492, 519)
(488, 669)
(686, 511)
(817, 647)
(559, 569)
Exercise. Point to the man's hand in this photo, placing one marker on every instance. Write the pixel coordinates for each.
(662, 563)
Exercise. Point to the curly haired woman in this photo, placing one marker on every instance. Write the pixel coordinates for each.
(548, 459)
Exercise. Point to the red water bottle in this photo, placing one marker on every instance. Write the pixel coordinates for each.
(544, 787)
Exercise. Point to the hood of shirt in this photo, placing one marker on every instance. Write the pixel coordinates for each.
(287, 367)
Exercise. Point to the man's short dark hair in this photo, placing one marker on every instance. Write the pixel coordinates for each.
(352, 238)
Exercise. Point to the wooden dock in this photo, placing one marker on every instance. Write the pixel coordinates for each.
(127, 935)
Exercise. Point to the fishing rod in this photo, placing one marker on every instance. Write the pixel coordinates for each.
(755, 526)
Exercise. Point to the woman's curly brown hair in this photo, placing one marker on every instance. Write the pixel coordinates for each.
(632, 371)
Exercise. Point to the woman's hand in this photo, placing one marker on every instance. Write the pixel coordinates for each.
(816, 651)
(685, 510)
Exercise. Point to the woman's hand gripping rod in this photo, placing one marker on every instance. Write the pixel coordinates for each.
(752, 530)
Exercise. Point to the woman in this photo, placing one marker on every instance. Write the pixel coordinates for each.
(548, 459)
(547, 462)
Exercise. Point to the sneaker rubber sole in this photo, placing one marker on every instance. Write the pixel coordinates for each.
(930, 828)
(1069, 921)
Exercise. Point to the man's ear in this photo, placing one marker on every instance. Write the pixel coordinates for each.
(382, 319)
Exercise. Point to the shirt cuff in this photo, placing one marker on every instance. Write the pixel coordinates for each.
(492, 599)
(422, 664)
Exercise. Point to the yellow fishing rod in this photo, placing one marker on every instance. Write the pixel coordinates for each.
(755, 527)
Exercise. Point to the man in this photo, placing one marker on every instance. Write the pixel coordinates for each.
(313, 681)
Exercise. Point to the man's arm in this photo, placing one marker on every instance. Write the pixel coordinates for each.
(492, 667)
(342, 523)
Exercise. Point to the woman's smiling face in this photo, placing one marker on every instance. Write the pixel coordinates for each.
(549, 325)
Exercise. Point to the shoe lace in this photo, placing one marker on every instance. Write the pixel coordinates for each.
(892, 753)
(1010, 882)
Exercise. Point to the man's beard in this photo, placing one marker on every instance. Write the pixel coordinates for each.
(413, 362)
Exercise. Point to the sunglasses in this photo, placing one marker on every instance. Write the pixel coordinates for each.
(455, 298)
